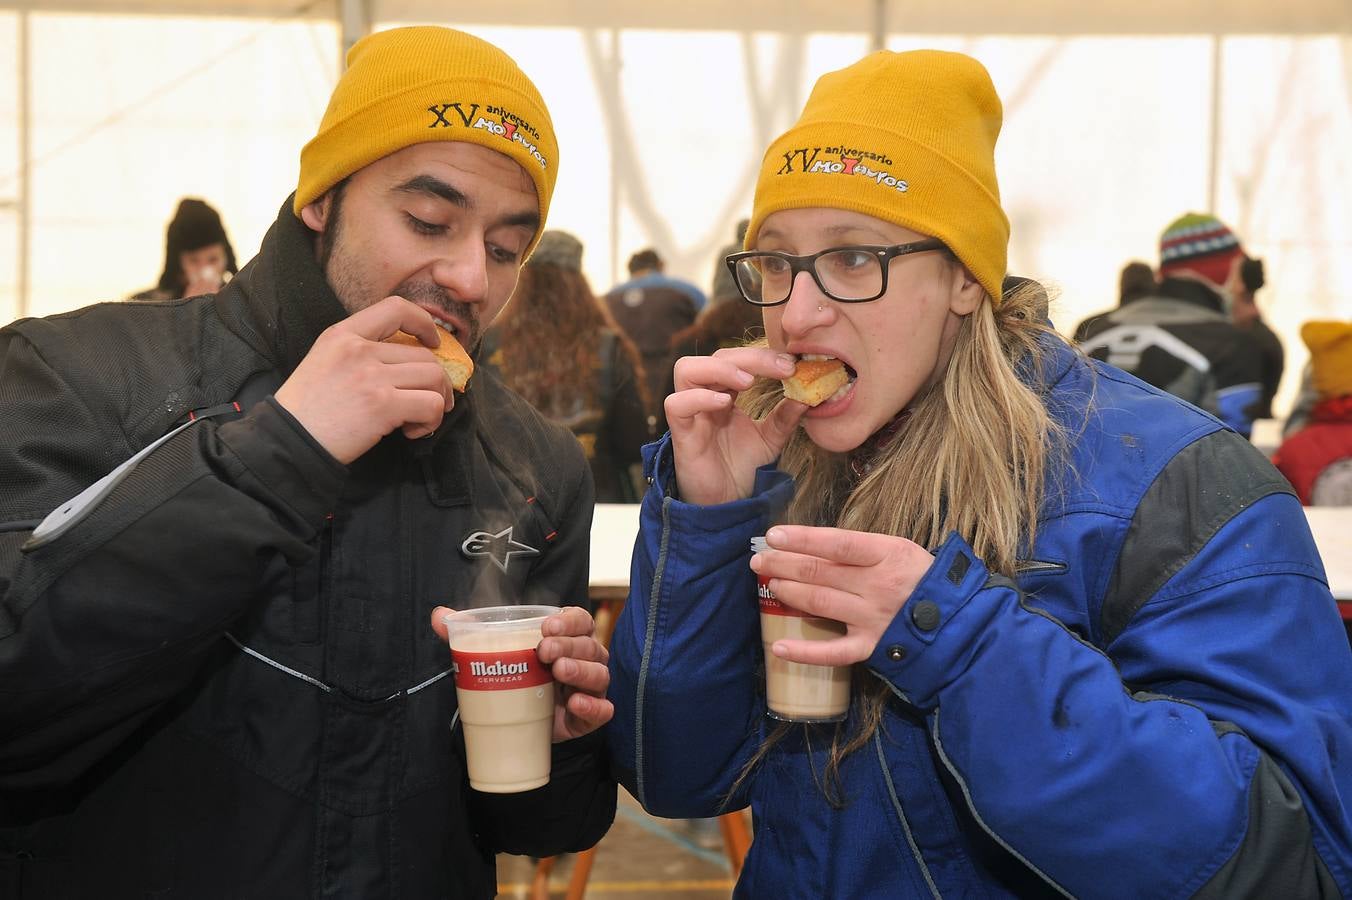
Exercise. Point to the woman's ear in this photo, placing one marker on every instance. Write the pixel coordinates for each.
(966, 292)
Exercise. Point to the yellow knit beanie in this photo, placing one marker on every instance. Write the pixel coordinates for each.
(1330, 346)
(904, 137)
(413, 85)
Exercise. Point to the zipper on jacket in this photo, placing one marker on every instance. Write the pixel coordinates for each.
(650, 631)
(901, 816)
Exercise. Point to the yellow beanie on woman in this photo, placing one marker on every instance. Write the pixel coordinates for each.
(413, 85)
(904, 137)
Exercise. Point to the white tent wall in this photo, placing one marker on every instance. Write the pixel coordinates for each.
(130, 113)
(662, 116)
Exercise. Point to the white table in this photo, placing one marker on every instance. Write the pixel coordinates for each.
(1332, 528)
(614, 527)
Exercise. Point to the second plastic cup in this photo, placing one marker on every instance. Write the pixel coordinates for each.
(797, 692)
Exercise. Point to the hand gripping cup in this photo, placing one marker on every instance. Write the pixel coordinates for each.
(506, 696)
(797, 692)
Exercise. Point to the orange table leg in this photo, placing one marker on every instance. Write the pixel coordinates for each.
(736, 838)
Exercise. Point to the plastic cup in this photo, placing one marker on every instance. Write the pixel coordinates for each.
(797, 692)
(506, 696)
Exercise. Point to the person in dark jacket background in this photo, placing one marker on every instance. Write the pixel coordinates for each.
(650, 308)
(1180, 338)
(226, 674)
(1249, 319)
(555, 346)
(1136, 280)
(198, 257)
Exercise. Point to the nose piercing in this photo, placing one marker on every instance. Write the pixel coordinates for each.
(821, 308)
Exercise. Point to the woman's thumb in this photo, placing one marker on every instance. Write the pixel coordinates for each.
(778, 427)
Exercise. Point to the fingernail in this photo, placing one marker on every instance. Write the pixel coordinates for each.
(785, 363)
(774, 536)
(755, 562)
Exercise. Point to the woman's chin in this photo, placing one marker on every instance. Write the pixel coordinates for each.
(834, 435)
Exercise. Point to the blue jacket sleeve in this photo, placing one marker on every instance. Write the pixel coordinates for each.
(1197, 756)
(685, 653)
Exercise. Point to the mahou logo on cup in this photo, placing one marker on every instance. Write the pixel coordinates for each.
(770, 605)
(502, 670)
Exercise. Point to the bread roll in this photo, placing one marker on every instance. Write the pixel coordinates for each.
(453, 358)
(815, 380)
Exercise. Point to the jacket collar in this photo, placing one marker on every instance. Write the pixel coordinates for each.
(1190, 291)
(285, 294)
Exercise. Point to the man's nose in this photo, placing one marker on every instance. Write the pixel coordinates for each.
(462, 270)
(807, 306)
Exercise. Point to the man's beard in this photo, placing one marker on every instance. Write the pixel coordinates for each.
(354, 291)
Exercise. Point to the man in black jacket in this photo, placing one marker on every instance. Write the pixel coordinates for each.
(217, 673)
(1180, 338)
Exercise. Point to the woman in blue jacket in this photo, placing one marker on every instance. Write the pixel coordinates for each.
(1094, 649)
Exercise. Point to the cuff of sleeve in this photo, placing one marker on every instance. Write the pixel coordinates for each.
(587, 745)
(770, 492)
(937, 626)
(286, 460)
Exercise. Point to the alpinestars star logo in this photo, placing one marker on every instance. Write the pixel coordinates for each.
(499, 547)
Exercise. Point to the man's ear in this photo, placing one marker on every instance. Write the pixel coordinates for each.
(967, 292)
(315, 214)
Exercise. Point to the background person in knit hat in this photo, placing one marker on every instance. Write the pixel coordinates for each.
(1181, 338)
(1063, 604)
(227, 675)
(722, 288)
(1317, 458)
(198, 258)
(556, 347)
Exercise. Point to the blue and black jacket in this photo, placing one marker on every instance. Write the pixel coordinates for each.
(1160, 705)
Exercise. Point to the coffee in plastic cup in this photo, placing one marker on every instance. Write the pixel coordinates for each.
(797, 692)
(506, 696)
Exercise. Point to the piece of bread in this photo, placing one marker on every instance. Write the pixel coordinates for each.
(453, 358)
(814, 380)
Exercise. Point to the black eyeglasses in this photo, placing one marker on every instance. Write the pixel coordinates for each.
(851, 274)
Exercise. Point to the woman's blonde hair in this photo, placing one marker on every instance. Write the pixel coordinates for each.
(971, 458)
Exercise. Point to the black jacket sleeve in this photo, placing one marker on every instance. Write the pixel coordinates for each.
(568, 815)
(105, 623)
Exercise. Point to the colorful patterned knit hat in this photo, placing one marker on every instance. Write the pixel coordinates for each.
(1200, 244)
